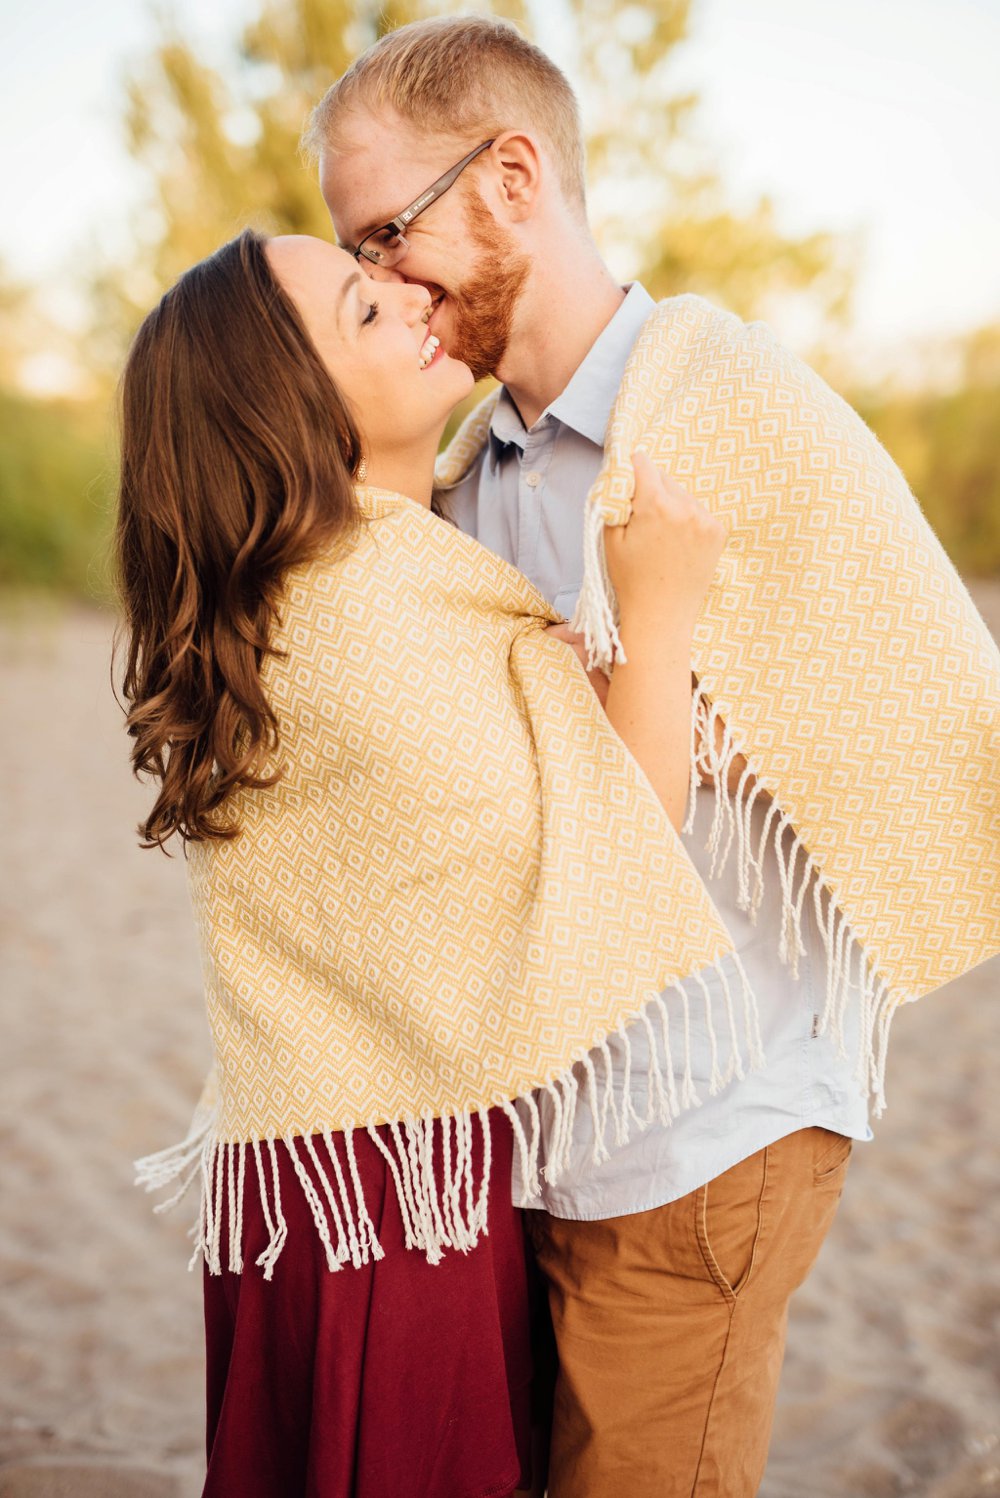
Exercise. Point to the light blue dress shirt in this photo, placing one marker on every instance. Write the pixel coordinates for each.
(524, 499)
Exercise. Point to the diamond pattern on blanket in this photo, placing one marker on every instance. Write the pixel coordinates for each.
(837, 639)
(463, 880)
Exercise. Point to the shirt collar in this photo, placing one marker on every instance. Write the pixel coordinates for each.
(585, 404)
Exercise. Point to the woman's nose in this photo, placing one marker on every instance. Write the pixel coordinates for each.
(418, 302)
(415, 299)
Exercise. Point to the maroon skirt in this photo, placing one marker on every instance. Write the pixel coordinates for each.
(398, 1379)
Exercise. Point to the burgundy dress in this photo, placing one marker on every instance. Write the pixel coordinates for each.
(398, 1379)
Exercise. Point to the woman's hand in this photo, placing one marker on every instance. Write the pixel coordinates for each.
(662, 559)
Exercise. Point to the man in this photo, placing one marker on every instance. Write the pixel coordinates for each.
(450, 154)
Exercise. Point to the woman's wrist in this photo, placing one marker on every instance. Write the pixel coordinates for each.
(666, 630)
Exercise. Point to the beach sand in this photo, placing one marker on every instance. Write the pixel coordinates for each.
(892, 1379)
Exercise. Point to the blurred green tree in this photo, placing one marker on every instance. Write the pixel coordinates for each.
(14, 300)
(946, 442)
(220, 148)
(56, 476)
(656, 194)
(55, 465)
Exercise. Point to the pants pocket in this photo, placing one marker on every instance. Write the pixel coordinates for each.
(833, 1151)
(729, 1213)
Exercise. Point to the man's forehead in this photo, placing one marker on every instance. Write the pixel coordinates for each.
(374, 174)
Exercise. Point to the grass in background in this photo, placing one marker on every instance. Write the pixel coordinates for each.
(949, 448)
(57, 476)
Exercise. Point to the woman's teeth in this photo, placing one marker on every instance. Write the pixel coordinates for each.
(429, 349)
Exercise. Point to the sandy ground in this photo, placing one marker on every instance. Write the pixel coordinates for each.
(892, 1380)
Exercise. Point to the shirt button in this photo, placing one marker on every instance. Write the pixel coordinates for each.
(533, 480)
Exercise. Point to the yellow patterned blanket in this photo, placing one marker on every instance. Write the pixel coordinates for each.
(464, 883)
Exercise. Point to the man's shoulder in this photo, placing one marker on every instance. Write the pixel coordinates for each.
(688, 334)
(699, 316)
(464, 453)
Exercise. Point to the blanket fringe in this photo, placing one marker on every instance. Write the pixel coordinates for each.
(596, 612)
(431, 1161)
(876, 1003)
(596, 616)
(606, 1084)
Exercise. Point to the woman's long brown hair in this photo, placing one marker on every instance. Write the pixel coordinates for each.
(237, 455)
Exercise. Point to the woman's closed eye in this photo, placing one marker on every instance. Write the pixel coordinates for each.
(371, 314)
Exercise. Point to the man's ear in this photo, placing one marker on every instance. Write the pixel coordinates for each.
(518, 168)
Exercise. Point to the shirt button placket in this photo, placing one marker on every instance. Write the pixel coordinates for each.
(534, 459)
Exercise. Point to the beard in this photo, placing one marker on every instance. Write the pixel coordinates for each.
(484, 305)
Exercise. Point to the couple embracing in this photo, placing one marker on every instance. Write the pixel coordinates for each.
(564, 816)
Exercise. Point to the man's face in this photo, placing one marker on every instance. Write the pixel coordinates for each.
(468, 260)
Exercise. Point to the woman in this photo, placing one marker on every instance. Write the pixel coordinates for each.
(279, 554)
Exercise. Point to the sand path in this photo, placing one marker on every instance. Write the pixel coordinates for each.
(892, 1381)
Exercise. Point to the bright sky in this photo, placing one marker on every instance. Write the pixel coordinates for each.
(877, 113)
(851, 113)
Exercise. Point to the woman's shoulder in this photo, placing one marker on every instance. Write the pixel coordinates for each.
(369, 572)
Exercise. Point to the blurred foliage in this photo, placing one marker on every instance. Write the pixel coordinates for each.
(656, 194)
(948, 445)
(56, 482)
(14, 298)
(707, 248)
(218, 144)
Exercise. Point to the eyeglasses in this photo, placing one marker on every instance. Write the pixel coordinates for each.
(386, 246)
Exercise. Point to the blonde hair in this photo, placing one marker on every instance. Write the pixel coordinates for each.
(462, 76)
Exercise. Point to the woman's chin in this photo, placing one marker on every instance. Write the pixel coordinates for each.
(454, 377)
(468, 379)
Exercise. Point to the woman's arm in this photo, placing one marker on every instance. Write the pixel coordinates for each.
(660, 559)
(649, 705)
(601, 685)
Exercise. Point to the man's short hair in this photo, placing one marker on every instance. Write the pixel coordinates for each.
(470, 77)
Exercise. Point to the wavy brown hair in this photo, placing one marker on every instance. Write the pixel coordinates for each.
(237, 456)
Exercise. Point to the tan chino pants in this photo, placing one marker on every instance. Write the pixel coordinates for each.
(670, 1326)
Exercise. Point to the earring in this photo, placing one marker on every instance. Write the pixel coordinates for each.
(362, 471)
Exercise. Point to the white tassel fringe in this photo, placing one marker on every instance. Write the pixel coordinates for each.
(875, 1005)
(596, 612)
(430, 1160)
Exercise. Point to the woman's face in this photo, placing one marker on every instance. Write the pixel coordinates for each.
(373, 339)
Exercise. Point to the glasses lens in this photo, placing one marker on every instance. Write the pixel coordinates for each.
(384, 247)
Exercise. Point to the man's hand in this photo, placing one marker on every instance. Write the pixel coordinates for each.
(596, 677)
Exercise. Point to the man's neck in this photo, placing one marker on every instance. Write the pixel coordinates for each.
(560, 318)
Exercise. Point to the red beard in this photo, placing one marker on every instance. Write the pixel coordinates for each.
(483, 307)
